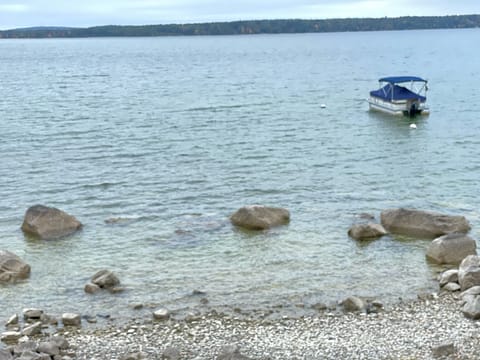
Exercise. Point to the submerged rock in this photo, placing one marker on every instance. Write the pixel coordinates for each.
(258, 217)
(451, 248)
(12, 267)
(422, 224)
(365, 216)
(49, 223)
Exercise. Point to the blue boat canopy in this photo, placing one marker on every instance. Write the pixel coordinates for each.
(401, 79)
(395, 92)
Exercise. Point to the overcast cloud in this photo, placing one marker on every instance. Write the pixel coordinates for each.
(26, 13)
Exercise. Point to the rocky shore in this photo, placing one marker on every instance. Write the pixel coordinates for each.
(430, 328)
(434, 326)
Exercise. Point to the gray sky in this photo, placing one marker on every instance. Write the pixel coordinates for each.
(26, 13)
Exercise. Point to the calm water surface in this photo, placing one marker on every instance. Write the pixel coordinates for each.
(173, 134)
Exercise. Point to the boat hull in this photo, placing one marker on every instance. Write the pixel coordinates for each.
(399, 107)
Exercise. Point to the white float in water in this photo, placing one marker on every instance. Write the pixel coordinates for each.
(323, 106)
(413, 126)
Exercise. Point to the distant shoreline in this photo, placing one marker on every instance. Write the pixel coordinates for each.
(247, 27)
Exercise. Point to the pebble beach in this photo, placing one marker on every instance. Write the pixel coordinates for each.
(427, 328)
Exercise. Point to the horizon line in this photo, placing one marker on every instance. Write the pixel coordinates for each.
(40, 27)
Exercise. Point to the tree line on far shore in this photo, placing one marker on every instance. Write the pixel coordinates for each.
(254, 27)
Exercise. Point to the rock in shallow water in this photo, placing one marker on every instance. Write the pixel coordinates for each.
(71, 319)
(366, 231)
(353, 303)
(91, 288)
(105, 279)
(32, 314)
(12, 267)
(49, 222)
(451, 248)
(257, 217)
(422, 224)
(161, 314)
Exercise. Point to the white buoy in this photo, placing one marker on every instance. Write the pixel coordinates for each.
(323, 106)
(413, 126)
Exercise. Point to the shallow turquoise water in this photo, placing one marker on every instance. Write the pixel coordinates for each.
(175, 134)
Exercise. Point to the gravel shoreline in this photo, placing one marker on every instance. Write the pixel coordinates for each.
(412, 330)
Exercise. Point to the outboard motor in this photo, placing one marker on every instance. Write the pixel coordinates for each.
(413, 110)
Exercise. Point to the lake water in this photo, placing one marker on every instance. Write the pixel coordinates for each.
(173, 134)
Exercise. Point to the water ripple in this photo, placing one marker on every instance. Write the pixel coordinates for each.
(154, 150)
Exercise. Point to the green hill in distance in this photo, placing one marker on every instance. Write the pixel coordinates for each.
(253, 27)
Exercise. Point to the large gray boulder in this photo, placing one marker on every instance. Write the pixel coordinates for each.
(422, 224)
(367, 231)
(451, 249)
(469, 272)
(12, 267)
(49, 223)
(257, 217)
